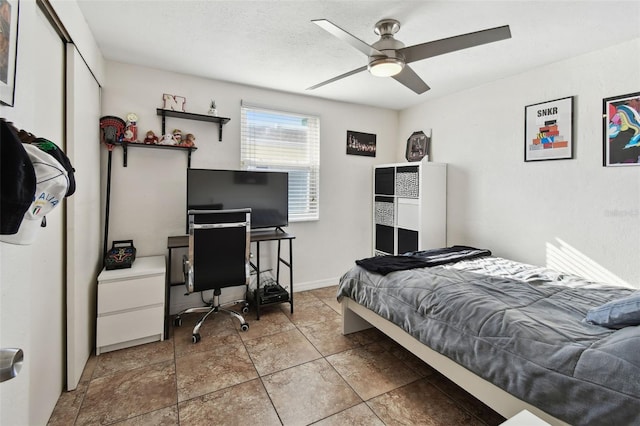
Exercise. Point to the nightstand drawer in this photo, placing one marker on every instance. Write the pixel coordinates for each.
(131, 325)
(128, 294)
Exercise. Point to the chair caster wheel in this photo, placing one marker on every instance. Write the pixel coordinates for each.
(177, 321)
(195, 338)
(245, 309)
(244, 327)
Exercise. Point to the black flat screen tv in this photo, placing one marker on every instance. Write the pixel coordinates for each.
(266, 193)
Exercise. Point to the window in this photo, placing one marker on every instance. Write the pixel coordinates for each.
(284, 141)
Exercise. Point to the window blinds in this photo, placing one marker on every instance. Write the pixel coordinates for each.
(284, 141)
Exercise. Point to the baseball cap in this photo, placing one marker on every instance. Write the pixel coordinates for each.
(52, 183)
(55, 151)
(17, 180)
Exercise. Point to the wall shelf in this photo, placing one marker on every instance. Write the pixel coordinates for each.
(126, 145)
(190, 116)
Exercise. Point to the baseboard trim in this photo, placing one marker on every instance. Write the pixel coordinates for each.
(312, 285)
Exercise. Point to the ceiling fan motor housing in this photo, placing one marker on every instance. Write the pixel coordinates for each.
(387, 45)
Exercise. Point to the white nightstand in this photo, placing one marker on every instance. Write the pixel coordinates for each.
(131, 305)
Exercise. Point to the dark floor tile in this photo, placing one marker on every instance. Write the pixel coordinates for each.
(327, 338)
(360, 415)
(243, 404)
(309, 392)
(133, 357)
(164, 417)
(279, 351)
(311, 314)
(129, 394)
(420, 403)
(217, 330)
(466, 400)
(372, 370)
(204, 372)
(272, 321)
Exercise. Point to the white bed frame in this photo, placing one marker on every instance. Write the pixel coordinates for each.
(356, 317)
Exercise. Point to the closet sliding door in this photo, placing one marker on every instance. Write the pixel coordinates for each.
(83, 213)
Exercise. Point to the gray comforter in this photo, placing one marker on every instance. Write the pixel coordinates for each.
(519, 327)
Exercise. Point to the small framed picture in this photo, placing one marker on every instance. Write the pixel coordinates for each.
(359, 143)
(621, 130)
(8, 49)
(417, 146)
(548, 130)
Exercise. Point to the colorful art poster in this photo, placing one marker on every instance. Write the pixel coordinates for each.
(621, 128)
(549, 130)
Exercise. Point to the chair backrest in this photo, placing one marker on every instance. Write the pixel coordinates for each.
(219, 246)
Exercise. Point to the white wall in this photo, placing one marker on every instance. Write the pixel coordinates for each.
(148, 197)
(571, 214)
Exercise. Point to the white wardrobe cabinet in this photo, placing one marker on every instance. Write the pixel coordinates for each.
(410, 207)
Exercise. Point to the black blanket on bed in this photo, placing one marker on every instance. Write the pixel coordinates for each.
(420, 259)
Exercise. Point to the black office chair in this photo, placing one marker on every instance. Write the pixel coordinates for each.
(218, 257)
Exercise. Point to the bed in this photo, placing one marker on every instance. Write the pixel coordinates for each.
(513, 335)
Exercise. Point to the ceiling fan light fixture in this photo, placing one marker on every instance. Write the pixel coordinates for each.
(385, 67)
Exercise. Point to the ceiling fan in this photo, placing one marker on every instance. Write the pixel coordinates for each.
(389, 57)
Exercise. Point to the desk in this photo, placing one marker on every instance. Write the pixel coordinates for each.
(257, 236)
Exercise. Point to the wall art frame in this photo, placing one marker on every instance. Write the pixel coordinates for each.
(621, 130)
(9, 13)
(359, 143)
(418, 146)
(548, 130)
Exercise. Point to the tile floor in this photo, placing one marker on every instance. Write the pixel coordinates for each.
(286, 370)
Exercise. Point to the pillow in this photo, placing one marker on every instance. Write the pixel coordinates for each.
(618, 313)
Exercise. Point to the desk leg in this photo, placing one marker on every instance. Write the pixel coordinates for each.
(278, 264)
(258, 301)
(291, 273)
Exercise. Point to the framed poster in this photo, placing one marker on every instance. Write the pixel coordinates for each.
(417, 146)
(548, 130)
(621, 130)
(8, 49)
(359, 143)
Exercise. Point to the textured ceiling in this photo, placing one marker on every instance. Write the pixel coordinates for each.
(273, 44)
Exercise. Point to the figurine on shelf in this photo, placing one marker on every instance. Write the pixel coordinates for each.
(167, 140)
(177, 136)
(190, 141)
(212, 109)
(131, 131)
(151, 138)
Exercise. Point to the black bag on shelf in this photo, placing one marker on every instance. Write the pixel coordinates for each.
(121, 255)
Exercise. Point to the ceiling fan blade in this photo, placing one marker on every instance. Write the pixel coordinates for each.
(338, 32)
(347, 74)
(451, 44)
(409, 78)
